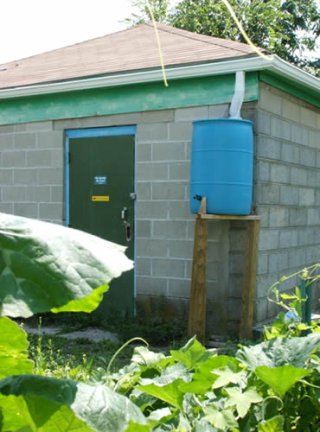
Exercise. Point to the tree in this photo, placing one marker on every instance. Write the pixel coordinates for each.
(288, 28)
(159, 8)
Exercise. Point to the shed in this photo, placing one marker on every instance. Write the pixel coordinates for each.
(90, 137)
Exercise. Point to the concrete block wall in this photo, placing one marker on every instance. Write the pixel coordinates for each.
(287, 189)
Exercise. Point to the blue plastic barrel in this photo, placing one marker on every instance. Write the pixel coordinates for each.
(222, 166)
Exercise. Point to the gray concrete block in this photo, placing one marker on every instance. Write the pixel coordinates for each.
(158, 116)
(8, 129)
(147, 171)
(261, 310)
(279, 216)
(181, 131)
(39, 194)
(50, 140)
(290, 110)
(306, 197)
(152, 248)
(168, 267)
(168, 191)
(268, 239)
(152, 210)
(6, 142)
(26, 176)
(179, 288)
(296, 133)
(6, 176)
(143, 228)
(298, 176)
(170, 230)
(6, 208)
(314, 138)
(236, 263)
(144, 152)
(313, 216)
(262, 170)
(13, 193)
(12, 159)
(312, 255)
(313, 177)
(308, 117)
(39, 126)
(297, 258)
(152, 286)
(280, 129)
(169, 151)
(308, 157)
(262, 267)
(25, 140)
(279, 173)
(290, 153)
(38, 158)
(263, 125)
(278, 262)
(305, 136)
(26, 210)
(57, 194)
(143, 267)
(51, 211)
(298, 216)
(270, 100)
(289, 195)
(288, 238)
(152, 132)
(181, 249)
(20, 127)
(267, 193)
(268, 148)
(179, 170)
(191, 114)
(218, 111)
(50, 176)
(308, 236)
(143, 191)
(57, 157)
(180, 210)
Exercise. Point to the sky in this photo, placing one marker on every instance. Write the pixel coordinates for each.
(29, 27)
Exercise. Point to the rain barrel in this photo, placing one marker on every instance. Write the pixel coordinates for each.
(222, 166)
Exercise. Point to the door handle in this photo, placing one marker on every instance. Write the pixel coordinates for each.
(127, 227)
(124, 213)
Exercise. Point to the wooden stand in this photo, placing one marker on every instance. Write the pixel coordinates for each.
(197, 308)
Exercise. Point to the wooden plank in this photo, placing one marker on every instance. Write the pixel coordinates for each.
(249, 286)
(197, 305)
(229, 217)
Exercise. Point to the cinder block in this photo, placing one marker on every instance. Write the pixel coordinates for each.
(57, 157)
(181, 131)
(170, 230)
(25, 176)
(262, 170)
(288, 238)
(143, 267)
(296, 133)
(144, 152)
(39, 158)
(152, 132)
(51, 211)
(298, 216)
(6, 142)
(20, 127)
(179, 170)
(307, 236)
(50, 176)
(39, 194)
(147, 171)
(289, 195)
(268, 193)
(50, 140)
(314, 138)
(278, 262)
(262, 267)
(236, 263)
(308, 157)
(218, 111)
(191, 114)
(180, 249)
(290, 153)
(313, 216)
(143, 191)
(268, 148)
(290, 110)
(168, 267)
(308, 117)
(268, 239)
(158, 116)
(279, 216)
(180, 210)
(297, 258)
(152, 286)
(261, 310)
(270, 101)
(57, 194)
(12, 159)
(39, 126)
(26, 210)
(143, 229)
(313, 177)
(279, 173)
(280, 128)
(168, 191)
(263, 125)
(306, 197)
(6, 129)
(305, 136)
(299, 176)
(169, 151)
(152, 248)
(312, 255)
(179, 288)
(6, 208)
(152, 210)
(6, 176)
(25, 140)
(13, 193)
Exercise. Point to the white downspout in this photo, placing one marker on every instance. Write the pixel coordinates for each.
(238, 96)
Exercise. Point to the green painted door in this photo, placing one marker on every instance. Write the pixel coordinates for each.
(101, 202)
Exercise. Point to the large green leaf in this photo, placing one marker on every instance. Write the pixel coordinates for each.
(47, 267)
(275, 424)
(95, 405)
(13, 349)
(282, 378)
(242, 400)
(169, 393)
(280, 351)
(191, 354)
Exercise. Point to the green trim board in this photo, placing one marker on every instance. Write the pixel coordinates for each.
(125, 99)
(291, 88)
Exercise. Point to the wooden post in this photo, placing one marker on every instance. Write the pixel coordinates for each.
(250, 271)
(197, 306)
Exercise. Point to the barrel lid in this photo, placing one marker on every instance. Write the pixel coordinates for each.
(223, 119)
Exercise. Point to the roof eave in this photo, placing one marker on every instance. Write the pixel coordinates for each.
(246, 64)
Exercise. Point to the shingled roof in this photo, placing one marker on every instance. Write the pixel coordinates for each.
(125, 51)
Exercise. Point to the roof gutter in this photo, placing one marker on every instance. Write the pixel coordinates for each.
(275, 64)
